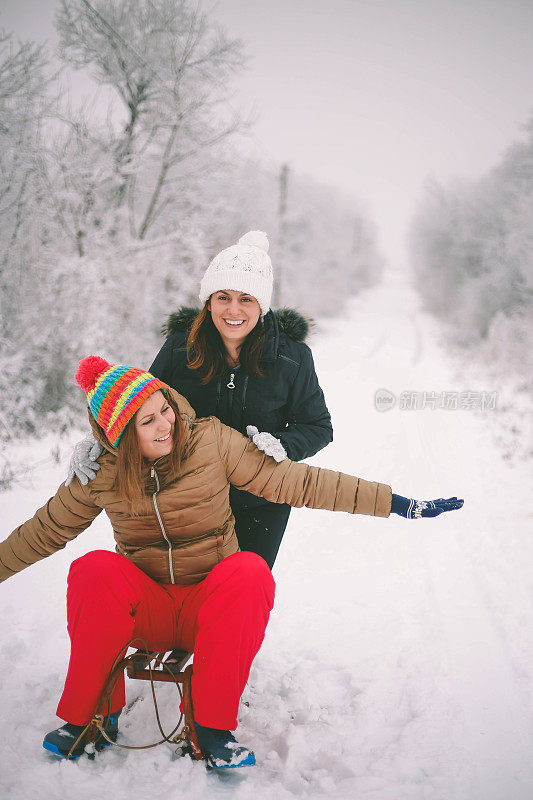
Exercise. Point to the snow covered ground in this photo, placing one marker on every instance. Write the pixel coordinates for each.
(398, 661)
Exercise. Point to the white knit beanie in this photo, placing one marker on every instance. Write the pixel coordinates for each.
(243, 267)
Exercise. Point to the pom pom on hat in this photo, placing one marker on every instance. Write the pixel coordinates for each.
(115, 392)
(88, 371)
(256, 239)
(243, 267)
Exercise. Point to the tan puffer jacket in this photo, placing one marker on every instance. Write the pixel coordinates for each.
(184, 527)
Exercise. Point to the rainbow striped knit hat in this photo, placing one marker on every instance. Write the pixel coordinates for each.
(114, 392)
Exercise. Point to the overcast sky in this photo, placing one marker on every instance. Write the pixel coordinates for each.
(372, 95)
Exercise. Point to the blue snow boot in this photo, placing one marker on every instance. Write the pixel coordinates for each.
(221, 749)
(61, 740)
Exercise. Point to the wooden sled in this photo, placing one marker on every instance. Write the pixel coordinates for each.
(146, 665)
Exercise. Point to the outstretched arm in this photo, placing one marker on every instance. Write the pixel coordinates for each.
(297, 484)
(64, 517)
(302, 485)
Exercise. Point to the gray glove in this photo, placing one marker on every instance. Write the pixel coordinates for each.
(267, 443)
(83, 461)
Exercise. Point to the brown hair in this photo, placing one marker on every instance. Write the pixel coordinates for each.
(130, 481)
(206, 352)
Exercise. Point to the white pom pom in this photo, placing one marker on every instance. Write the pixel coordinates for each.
(256, 239)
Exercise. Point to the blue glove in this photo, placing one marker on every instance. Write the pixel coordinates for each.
(415, 509)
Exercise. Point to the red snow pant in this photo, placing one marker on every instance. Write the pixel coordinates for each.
(222, 620)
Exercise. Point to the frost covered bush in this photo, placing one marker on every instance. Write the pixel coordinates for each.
(509, 345)
(472, 252)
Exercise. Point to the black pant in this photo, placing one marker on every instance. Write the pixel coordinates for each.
(259, 525)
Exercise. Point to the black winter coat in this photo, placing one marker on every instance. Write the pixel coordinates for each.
(287, 401)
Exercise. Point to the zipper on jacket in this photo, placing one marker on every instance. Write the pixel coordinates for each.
(244, 390)
(153, 474)
(231, 386)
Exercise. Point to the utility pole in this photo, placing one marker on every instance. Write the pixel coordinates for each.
(282, 235)
(357, 235)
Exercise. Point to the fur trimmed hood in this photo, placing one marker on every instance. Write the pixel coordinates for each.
(292, 323)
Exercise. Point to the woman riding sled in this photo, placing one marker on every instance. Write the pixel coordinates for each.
(177, 578)
(249, 367)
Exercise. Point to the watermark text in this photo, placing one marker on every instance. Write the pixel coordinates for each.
(411, 400)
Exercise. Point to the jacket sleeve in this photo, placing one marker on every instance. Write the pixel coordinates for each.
(309, 426)
(69, 512)
(249, 469)
(162, 365)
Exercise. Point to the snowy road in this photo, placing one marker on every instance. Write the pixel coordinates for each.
(398, 661)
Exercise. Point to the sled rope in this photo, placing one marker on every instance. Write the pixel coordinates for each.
(97, 722)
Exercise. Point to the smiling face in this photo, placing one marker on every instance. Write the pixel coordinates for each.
(154, 423)
(234, 315)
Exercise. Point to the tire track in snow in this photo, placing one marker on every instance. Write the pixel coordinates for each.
(482, 678)
(452, 453)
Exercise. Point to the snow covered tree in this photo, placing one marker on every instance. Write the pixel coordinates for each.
(24, 217)
(23, 103)
(170, 67)
(473, 264)
(76, 177)
(107, 225)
